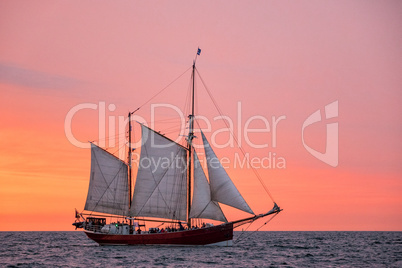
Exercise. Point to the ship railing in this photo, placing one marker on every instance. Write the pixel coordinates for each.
(93, 228)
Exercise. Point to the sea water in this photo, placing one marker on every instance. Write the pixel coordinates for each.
(251, 249)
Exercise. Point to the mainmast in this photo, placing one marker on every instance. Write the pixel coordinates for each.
(129, 164)
(190, 148)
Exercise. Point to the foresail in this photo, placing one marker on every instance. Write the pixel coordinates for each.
(222, 188)
(161, 186)
(202, 205)
(108, 185)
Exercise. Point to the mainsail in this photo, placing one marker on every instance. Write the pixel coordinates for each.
(161, 186)
(108, 185)
(203, 206)
(222, 188)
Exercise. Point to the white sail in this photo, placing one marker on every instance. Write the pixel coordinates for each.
(222, 188)
(202, 205)
(161, 186)
(108, 185)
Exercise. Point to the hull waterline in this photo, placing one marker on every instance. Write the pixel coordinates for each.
(221, 235)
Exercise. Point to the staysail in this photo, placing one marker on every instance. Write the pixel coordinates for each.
(202, 205)
(161, 186)
(108, 185)
(222, 188)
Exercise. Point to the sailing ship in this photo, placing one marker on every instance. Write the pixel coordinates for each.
(171, 189)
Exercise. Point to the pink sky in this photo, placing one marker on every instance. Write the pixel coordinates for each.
(275, 57)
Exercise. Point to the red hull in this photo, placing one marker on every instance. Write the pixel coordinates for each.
(203, 236)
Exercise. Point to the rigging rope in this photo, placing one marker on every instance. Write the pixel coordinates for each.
(161, 90)
(243, 232)
(235, 138)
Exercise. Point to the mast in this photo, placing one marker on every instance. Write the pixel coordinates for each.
(190, 138)
(129, 165)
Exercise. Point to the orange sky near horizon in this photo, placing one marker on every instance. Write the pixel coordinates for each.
(277, 59)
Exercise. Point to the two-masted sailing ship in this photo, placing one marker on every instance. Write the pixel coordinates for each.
(171, 188)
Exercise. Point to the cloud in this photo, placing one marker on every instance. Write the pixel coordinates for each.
(12, 74)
